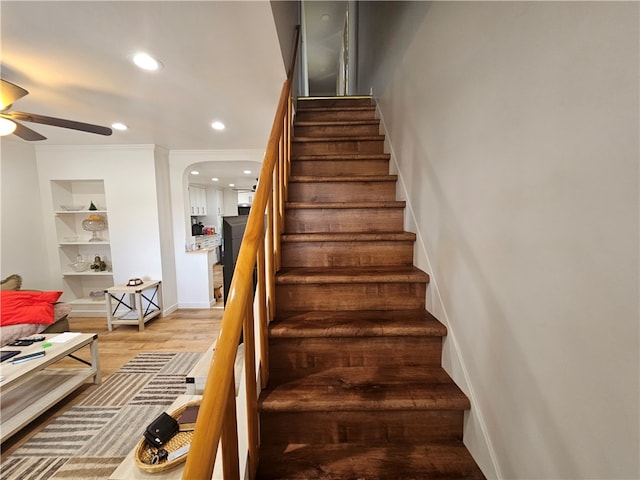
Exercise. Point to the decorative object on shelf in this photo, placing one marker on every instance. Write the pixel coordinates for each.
(94, 224)
(134, 282)
(96, 295)
(92, 207)
(98, 264)
(79, 265)
(72, 208)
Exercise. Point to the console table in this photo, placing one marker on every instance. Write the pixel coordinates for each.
(28, 389)
(136, 313)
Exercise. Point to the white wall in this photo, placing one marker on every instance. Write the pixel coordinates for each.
(515, 129)
(165, 230)
(22, 221)
(129, 174)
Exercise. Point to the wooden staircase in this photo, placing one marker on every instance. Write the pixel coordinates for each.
(356, 389)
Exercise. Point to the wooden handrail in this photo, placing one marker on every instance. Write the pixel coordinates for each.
(259, 250)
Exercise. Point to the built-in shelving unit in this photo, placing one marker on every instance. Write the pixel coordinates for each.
(71, 202)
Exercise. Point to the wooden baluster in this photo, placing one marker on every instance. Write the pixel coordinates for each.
(276, 220)
(270, 258)
(263, 319)
(229, 436)
(252, 395)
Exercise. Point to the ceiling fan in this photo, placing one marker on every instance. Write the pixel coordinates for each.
(9, 93)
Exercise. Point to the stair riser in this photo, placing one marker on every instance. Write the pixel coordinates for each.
(346, 254)
(356, 296)
(342, 191)
(299, 356)
(336, 130)
(328, 168)
(368, 427)
(340, 220)
(334, 115)
(337, 146)
(334, 102)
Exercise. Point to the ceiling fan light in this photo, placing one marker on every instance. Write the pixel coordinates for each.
(6, 126)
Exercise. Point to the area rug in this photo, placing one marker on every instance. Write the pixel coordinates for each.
(91, 439)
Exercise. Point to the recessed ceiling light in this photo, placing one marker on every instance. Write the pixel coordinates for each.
(325, 18)
(232, 184)
(247, 172)
(217, 126)
(215, 179)
(119, 126)
(195, 172)
(146, 61)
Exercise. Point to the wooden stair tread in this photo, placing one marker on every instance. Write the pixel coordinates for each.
(353, 138)
(366, 388)
(347, 205)
(334, 123)
(303, 108)
(342, 157)
(349, 237)
(342, 178)
(436, 461)
(315, 275)
(359, 323)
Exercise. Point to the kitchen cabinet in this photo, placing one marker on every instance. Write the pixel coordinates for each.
(198, 200)
(84, 279)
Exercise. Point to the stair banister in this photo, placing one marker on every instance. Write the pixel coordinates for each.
(217, 415)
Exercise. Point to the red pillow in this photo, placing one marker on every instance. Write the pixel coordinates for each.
(24, 306)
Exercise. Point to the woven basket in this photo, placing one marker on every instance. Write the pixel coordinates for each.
(144, 452)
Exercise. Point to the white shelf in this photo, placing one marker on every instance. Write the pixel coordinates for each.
(68, 225)
(77, 212)
(62, 244)
(44, 390)
(88, 301)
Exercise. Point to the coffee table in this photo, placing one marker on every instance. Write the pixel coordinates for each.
(28, 389)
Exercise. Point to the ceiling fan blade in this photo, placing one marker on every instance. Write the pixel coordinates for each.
(26, 133)
(9, 93)
(59, 122)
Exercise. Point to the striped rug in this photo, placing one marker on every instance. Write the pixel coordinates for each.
(91, 439)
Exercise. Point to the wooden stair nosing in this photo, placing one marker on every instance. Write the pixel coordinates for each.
(335, 123)
(340, 157)
(350, 275)
(346, 205)
(360, 323)
(435, 461)
(335, 108)
(348, 237)
(336, 139)
(343, 179)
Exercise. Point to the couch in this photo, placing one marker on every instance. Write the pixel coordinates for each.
(29, 312)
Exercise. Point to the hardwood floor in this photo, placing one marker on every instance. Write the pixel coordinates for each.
(182, 331)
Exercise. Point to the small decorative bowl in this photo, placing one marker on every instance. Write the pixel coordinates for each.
(79, 266)
(72, 208)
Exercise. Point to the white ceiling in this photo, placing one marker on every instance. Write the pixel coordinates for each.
(221, 61)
